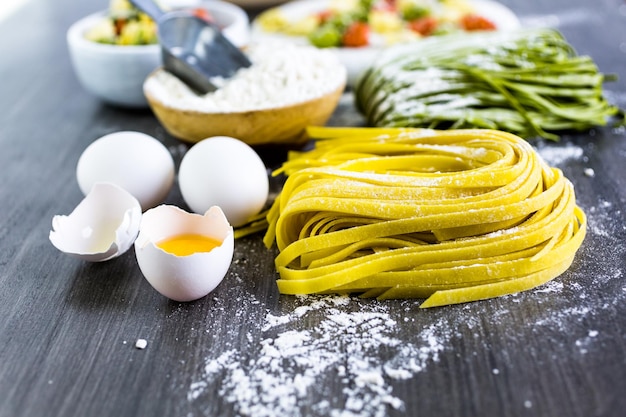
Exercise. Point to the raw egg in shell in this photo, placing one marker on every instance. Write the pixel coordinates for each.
(184, 256)
(225, 172)
(137, 162)
(103, 226)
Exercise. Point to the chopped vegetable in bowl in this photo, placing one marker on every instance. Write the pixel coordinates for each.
(359, 23)
(124, 25)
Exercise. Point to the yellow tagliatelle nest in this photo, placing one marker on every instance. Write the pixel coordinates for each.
(452, 216)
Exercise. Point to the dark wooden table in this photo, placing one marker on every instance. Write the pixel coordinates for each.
(68, 328)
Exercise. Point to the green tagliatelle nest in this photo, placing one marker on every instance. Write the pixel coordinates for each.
(529, 82)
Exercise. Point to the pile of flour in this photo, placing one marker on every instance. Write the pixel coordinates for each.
(281, 75)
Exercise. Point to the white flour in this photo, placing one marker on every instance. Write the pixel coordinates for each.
(344, 345)
(555, 155)
(324, 341)
(281, 75)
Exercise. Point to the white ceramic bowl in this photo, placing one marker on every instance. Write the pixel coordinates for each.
(116, 73)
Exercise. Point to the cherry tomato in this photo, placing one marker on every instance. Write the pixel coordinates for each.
(203, 14)
(425, 26)
(357, 34)
(472, 22)
(324, 16)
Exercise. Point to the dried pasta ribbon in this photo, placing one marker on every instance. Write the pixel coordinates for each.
(451, 216)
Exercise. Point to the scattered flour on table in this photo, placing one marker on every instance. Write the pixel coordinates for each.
(324, 341)
(358, 349)
(141, 344)
(590, 172)
(595, 289)
(558, 154)
(599, 215)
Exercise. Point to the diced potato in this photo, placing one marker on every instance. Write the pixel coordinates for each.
(121, 9)
(273, 20)
(384, 21)
(404, 35)
(303, 26)
(103, 32)
(137, 33)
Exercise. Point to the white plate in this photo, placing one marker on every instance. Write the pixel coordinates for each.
(356, 60)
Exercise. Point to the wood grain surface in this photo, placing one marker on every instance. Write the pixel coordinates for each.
(68, 328)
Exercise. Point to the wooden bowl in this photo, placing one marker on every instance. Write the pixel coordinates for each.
(273, 126)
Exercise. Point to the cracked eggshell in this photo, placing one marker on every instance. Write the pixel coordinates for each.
(183, 278)
(103, 226)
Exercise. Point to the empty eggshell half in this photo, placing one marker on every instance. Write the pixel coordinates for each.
(103, 226)
(188, 277)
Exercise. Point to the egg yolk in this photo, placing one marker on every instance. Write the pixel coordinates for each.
(188, 244)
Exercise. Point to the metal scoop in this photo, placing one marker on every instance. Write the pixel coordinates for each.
(194, 49)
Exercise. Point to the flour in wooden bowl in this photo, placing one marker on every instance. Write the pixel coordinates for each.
(285, 90)
(281, 75)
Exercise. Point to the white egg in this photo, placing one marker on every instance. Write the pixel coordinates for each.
(194, 272)
(103, 225)
(135, 161)
(225, 172)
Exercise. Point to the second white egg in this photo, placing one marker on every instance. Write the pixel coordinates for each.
(225, 172)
